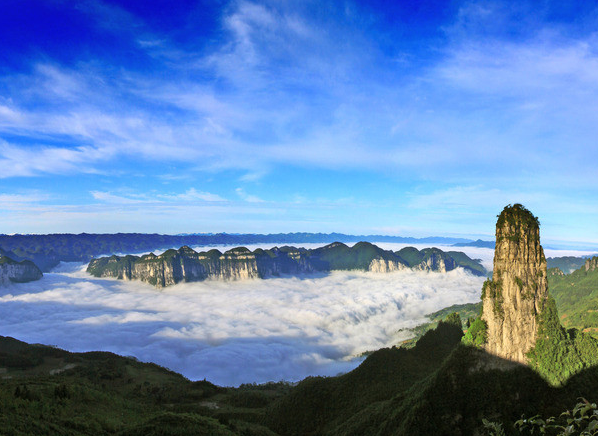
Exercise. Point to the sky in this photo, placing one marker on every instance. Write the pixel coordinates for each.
(362, 117)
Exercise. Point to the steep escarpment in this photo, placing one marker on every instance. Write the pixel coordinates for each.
(187, 265)
(517, 293)
(12, 271)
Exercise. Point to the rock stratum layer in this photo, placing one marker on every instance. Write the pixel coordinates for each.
(12, 271)
(518, 291)
(187, 265)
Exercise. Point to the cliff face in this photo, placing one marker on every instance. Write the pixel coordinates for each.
(591, 264)
(187, 265)
(437, 260)
(12, 271)
(518, 290)
(385, 266)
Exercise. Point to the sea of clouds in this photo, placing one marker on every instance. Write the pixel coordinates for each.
(234, 332)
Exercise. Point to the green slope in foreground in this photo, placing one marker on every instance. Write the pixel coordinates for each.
(576, 297)
(439, 386)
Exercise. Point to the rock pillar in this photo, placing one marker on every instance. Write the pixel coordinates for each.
(518, 290)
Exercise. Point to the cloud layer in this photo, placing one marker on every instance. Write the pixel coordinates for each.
(232, 332)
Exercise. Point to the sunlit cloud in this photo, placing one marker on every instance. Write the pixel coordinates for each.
(233, 332)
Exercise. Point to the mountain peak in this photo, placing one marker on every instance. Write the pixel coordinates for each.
(518, 290)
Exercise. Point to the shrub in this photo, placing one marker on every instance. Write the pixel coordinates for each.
(477, 334)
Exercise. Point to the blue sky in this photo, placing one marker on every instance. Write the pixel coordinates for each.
(413, 119)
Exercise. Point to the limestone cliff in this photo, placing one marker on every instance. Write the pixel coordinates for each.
(591, 264)
(12, 271)
(187, 265)
(518, 290)
(385, 266)
(437, 260)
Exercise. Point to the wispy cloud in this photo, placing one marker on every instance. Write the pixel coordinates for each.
(247, 197)
(294, 96)
(189, 196)
(16, 161)
(193, 195)
(315, 88)
(12, 198)
(116, 199)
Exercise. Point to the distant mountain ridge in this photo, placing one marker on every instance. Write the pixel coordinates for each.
(567, 264)
(478, 243)
(47, 251)
(187, 265)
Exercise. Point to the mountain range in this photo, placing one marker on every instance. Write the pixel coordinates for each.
(187, 265)
(47, 251)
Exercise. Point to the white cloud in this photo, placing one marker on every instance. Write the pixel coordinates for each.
(7, 199)
(192, 194)
(116, 199)
(232, 332)
(31, 161)
(248, 197)
(9, 115)
(291, 94)
(187, 197)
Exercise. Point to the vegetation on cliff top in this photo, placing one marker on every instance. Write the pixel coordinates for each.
(517, 215)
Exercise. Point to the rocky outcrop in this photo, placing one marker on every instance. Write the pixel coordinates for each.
(386, 266)
(591, 264)
(437, 261)
(12, 271)
(187, 265)
(555, 272)
(518, 290)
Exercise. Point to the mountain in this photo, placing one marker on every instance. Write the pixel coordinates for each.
(187, 265)
(12, 271)
(576, 296)
(45, 260)
(478, 243)
(439, 386)
(517, 294)
(48, 391)
(567, 264)
(320, 405)
(46, 251)
(472, 383)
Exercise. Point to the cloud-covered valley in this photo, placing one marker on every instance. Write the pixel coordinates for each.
(232, 332)
(237, 332)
